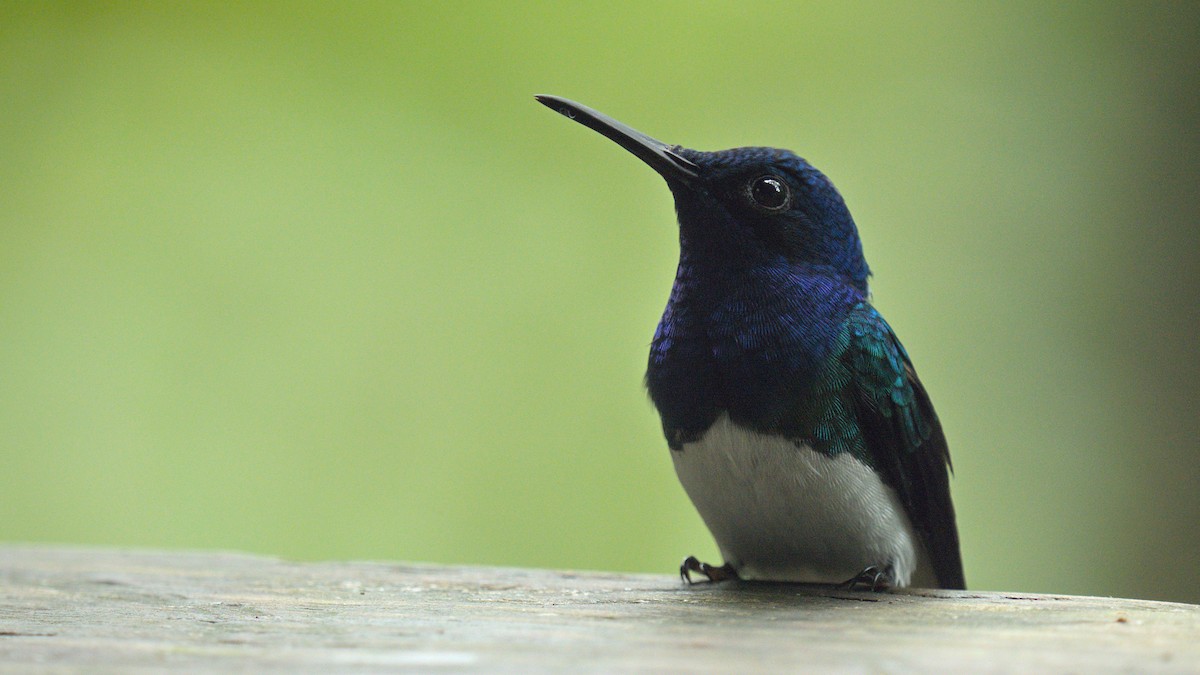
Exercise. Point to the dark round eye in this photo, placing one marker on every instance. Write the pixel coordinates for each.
(769, 192)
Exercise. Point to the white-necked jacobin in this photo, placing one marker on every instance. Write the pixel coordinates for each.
(795, 420)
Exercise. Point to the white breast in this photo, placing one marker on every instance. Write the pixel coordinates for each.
(782, 512)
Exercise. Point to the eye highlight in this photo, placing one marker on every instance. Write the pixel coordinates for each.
(769, 192)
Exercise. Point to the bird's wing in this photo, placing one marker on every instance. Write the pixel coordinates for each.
(903, 438)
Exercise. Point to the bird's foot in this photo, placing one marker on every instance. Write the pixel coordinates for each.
(691, 564)
(875, 579)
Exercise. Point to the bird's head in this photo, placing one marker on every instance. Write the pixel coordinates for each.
(745, 206)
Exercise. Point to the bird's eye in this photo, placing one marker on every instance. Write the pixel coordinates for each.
(769, 192)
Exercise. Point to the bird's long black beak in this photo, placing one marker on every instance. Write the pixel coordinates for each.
(663, 158)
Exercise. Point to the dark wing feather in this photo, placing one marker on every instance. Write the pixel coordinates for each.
(903, 438)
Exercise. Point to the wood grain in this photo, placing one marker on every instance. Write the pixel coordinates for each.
(98, 610)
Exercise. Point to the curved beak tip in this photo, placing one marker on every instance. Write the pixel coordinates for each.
(558, 104)
(661, 157)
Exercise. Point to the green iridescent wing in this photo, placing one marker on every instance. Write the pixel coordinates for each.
(874, 407)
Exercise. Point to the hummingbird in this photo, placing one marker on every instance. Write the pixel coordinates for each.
(794, 418)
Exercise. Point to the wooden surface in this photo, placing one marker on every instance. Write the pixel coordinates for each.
(98, 610)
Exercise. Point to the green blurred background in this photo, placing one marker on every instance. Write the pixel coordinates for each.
(323, 281)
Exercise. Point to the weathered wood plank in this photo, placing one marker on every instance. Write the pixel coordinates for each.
(67, 609)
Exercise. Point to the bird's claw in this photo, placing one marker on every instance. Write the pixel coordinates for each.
(712, 573)
(875, 579)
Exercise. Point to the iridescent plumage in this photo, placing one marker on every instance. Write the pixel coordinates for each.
(794, 416)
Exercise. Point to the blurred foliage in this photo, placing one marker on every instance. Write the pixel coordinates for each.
(322, 280)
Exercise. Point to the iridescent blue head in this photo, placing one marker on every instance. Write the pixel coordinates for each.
(745, 207)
